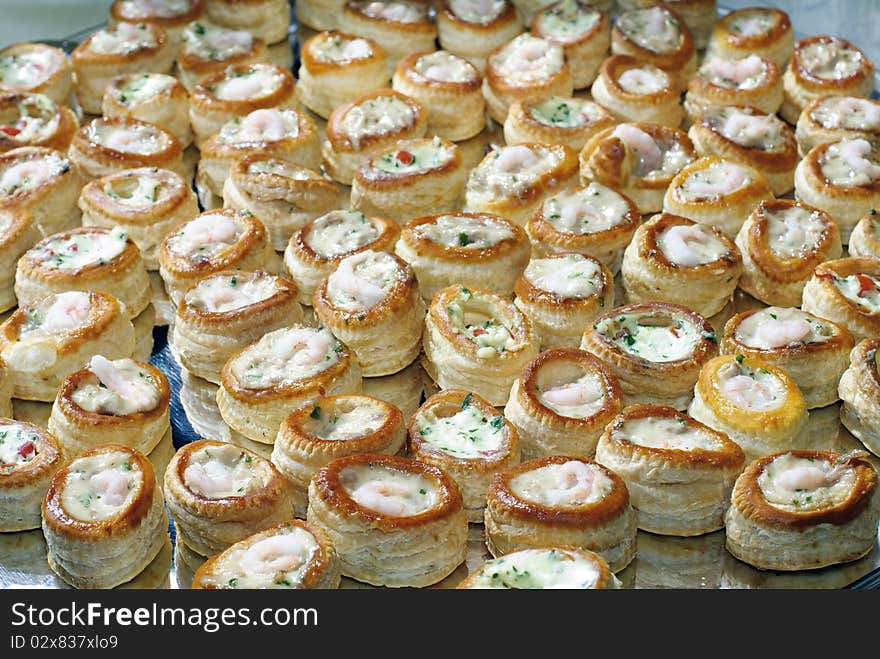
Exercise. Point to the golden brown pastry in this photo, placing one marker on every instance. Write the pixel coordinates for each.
(698, 15)
(171, 15)
(36, 68)
(405, 390)
(803, 510)
(564, 501)
(513, 181)
(584, 33)
(640, 160)
(674, 259)
(782, 242)
(371, 302)
(449, 88)
(462, 434)
(812, 350)
(104, 518)
(752, 81)
(476, 341)
(859, 389)
(292, 554)
(594, 220)
(865, 238)
(762, 31)
(315, 250)
(555, 120)
(656, 349)
(317, 15)
(393, 521)
(472, 28)
(842, 178)
(471, 249)
(758, 405)
(550, 568)
(35, 120)
(29, 457)
(268, 20)
(656, 35)
(716, 191)
(18, 232)
(366, 125)
(824, 66)
(679, 472)
(282, 371)
(219, 494)
(114, 50)
(152, 97)
(847, 291)
(833, 118)
(207, 48)
(562, 402)
(145, 203)
(636, 91)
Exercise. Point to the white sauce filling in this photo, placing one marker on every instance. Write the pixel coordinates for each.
(220, 472)
(211, 42)
(414, 157)
(56, 314)
(572, 276)
(742, 74)
(225, 293)
(477, 11)
(645, 80)
(100, 487)
(662, 432)
(850, 163)
(141, 9)
(653, 338)
(781, 327)
(653, 158)
(568, 21)
(17, 446)
(123, 39)
(445, 67)
(337, 48)
(717, 180)
(568, 485)
(793, 231)
(282, 168)
(752, 22)
(490, 336)
(796, 484)
(389, 491)
(528, 59)
(848, 113)
(393, 10)
(248, 85)
(345, 421)
(752, 131)
(584, 211)
(537, 569)
(144, 87)
(380, 115)
(830, 60)
(691, 245)
(38, 119)
(80, 250)
(206, 236)
(565, 112)
(340, 232)
(465, 231)
(861, 289)
(574, 397)
(137, 139)
(654, 29)
(750, 389)
(363, 280)
(264, 125)
(286, 356)
(469, 434)
(29, 69)
(30, 172)
(123, 387)
(511, 170)
(139, 192)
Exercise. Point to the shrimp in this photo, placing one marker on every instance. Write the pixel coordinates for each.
(514, 159)
(277, 553)
(264, 125)
(571, 394)
(863, 113)
(528, 55)
(642, 81)
(29, 173)
(576, 211)
(68, 310)
(853, 153)
(747, 393)
(383, 497)
(803, 477)
(574, 482)
(240, 88)
(643, 145)
(348, 282)
(127, 140)
(213, 479)
(737, 71)
(681, 244)
(749, 130)
(209, 229)
(112, 378)
(111, 486)
(302, 346)
(776, 332)
(716, 181)
(355, 49)
(229, 40)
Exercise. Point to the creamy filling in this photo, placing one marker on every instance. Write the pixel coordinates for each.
(850, 163)
(780, 327)
(18, 446)
(38, 119)
(537, 569)
(380, 115)
(468, 434)
(345, 420)
(56, 314)
(137, 139)
(29, 69)
(413, 157)
(211, 42)
(690, 245)
(861, 289)
(653, 338)
(647, 80)
(225, 293)
(752, 22)
(802, 484)
(281, 168)
(286, 356)
(142, 9)
(264, 125)
(465, 231)
(445, 67)
(654, 29)
(667, 433)
(143, 87)
(752, 131)
(568, 485)
(584, 211)
(830, 60)
(250, 84)
(848, 113)
(528, 59)
(742, 74)
(565, 112)
(477, 11)
(751, 389)
(393, 10)
(573, 397)
(120, 388)
(511, 170)
(123, 39)
(79, 250)
(100, 487)
(363, 280)
(717, 180)
(221, 472)
(137, 192)
(568, 21)
(206, 236)
(571, 276)
(389, 491)
(490, 335)
(340, 232)
(793, 231)
(30, 172)
(337, 48)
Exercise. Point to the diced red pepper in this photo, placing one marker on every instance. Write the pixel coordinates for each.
(405, 157)
(27, 449)
(674, 332)
(825, 275)
(480, 331)
(866, 284)
(12, 131)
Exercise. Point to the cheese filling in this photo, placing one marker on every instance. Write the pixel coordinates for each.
(654, 29)
(389, 491)
(538, 569)
(468, 434)
(464, 231)
(29, 69)
(665, 433)
(860, 289)
(830, 59)
(528, 59)
(392, 10)
(124, 39)
(799, 484)
(717, 180)
(380, 115)
(100, 487)
(572, 276)
(79, 250)
(793, 232)
(565, 112)
(576, 396)
(445, 67)
(18, 446)
(264, 125)
(752, 131)
(37, 120)
(137, 139)
(221, 472)
(257, 81)
(413, 157)
(212, 42)
(122, 387)
(345, 420)
(56, 314)
(847, 113)
(30, 172)
(206, 236)
(363, 280)
(137, 192)
(780, 327)
(477, 11)
(647, 80)
(751, 389)
(585, 211)
(747, 73)
(286, 356)
(850, 163)
(568, 485)
(225, 293)
(511, 170)
(144, 87)
(340, 232)
(568, 21)
(490, 336)
(690, 245)
(336, 48)
(653, 338)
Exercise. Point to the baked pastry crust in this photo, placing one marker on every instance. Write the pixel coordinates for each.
(334, 427)
(639, 160)
(648, 94)
(561, 294)
(18, 232)
(405, 390)
(268, 20)
(562, 402)
(845, 291)
(843, 179)
(318, 14)
(459, 352)
(371, 302)
(468, 30)
(490, 444)
(282, 194)
(35, 120)
(156, 98)
(410, 179)
(449, 89)
(524, 68)
(302, 551)
(471, 249)
(212, 242)
(762, 416)
(207, 48)
(401, 543)
(337, 68)
(665, 41)
(859, 389)
(592, 510)
(88, 258)
(377, 119)
(679, 472)
(216, 508)
(781, 243)
(104, 548)
(716, 191)
(36, 68)
(117, 49)
(568, 568)
(31, 456)
(171, 15)
(513, 181)
(282, 371)
(45, 341)
(145, 202)
(746, 135)
(763, 31)
(800, 534)
(833, 118)
(584, 33)
(674, 259)
(555, 120)
(865, 238)
(224, 311)
(652, 367)
(753, 82)
(315, 251)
